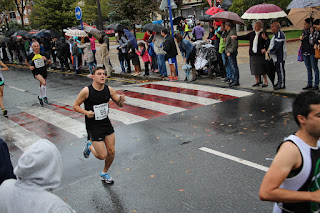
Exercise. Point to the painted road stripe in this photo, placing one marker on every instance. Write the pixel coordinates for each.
(238, 160)
(66, 123)
(167, 109)
(187, 91)
(160, 99)
(224, 91)
(21, 90)
(125, 117)
(183, 97)
(136, 110)
(20, 137)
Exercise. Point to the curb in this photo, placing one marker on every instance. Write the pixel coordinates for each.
(288, 40)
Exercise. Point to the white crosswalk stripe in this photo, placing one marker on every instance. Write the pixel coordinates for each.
(19, 136)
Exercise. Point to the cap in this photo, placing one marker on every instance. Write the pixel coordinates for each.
(316, 22)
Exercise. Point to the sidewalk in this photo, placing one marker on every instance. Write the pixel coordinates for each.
(296, 73)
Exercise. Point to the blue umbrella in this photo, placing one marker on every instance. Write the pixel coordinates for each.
(131, 38)
(42, 34)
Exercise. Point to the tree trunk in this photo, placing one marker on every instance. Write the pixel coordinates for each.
(20, 11)
(100, 26)
(134, 30)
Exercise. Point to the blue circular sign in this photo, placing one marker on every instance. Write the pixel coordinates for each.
(78, 13)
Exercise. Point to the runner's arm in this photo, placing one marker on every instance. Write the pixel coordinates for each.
(118, 99)
(83, 95)
(27, 63)
(287, 158)
(4, 67)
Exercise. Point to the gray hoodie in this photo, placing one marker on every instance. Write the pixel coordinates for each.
(39, 170)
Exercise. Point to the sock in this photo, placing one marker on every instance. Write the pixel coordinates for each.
(40, 93)
(44, 90)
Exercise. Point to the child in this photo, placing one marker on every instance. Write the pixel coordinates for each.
(134, 59)
(145, 57)
(121, 60)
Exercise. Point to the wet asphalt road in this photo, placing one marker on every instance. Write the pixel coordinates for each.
(159, 166)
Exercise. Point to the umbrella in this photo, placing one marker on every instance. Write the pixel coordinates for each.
(298, 15)
(93, 31)
(226, 4)
(177, 20)
(53, 34)
(205, 18)
(21, 33)
(10, 32)
(264, 11)
(131, 38)
(3, 38)
(270, 68)
(34, 31)
(42, 34)
(303, 4)
(153, 27)
(214, 10)
(116, 27)
(227, 15)
(76, 33)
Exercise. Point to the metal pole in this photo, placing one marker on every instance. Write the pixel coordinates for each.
(215, 3)
(172, 32)
(81, 24)
(100, 16)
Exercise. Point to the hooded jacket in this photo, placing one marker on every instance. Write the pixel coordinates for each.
(39, 170)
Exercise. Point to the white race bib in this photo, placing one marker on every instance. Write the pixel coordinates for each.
(101, 111)
(38, 63)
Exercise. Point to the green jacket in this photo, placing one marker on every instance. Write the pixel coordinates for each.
(231, 44)
(222, 44)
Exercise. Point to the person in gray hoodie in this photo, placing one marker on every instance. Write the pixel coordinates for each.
(38, 172)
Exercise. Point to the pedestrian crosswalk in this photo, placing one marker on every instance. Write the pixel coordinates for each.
(58, 121)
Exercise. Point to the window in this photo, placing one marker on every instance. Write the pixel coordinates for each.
(12, 15)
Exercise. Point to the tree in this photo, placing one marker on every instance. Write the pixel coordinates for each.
(6, 5)
(53, 14)
(136, 11)
(20, 6)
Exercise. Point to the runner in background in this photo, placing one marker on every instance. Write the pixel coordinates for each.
(3, 67)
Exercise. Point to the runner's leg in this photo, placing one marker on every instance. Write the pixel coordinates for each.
(1, 97)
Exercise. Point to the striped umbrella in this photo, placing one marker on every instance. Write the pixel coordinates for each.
(76, 33)
(264, 11)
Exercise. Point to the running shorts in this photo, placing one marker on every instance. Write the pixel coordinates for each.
(44, 74)
(172, 60)
(1, 81)
(99, 135)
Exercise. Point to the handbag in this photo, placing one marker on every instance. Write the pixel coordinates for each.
(270, 68)
(300, 58)
(317, 53)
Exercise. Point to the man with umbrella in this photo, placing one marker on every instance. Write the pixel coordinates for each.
(124, 43)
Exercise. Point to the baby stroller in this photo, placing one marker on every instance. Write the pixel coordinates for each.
(206, 57)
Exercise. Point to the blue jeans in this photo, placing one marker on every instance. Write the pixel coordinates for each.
(76, 64)
(226, 65)
(312, 64)
(123, 69)
(162, 65)
(91, 66)
(234, 70)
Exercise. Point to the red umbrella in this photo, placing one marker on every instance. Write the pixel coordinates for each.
(227, 15)
(264, 11)
(214, 10)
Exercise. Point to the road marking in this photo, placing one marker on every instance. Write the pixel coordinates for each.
(225, 91)
(20, 137)
(236, 159)
(21, 90)
(124, 117)
(183, 97)
(66, 123)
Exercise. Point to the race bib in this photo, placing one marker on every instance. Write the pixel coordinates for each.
(38, 63)
(101, 111)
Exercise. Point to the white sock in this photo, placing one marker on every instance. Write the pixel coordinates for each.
(40, 93)
(44, 90)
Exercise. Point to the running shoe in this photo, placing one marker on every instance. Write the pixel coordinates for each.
(4, 112)
(40, 101)
(106, 178)
(86, 150)
(45, 100)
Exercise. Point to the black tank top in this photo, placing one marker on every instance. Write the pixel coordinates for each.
(98, 102)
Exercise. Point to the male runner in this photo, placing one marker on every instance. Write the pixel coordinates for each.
(293, 178)
(95, 98)
(4, 68)
(37, 62)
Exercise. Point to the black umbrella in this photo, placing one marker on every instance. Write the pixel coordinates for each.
(153, 27)
(53, 34)
(226, 4)
(10, 32)
(42, 34)
(270, 69)
(205, 18)
(21, 33)
(116, 27)
(177, 20)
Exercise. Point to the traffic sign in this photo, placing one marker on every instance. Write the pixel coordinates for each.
(78, 13)
(164, 5)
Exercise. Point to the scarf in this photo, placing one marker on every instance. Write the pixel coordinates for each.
(255, 41)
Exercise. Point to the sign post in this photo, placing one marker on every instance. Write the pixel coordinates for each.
(166, 4)
(78, 13)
